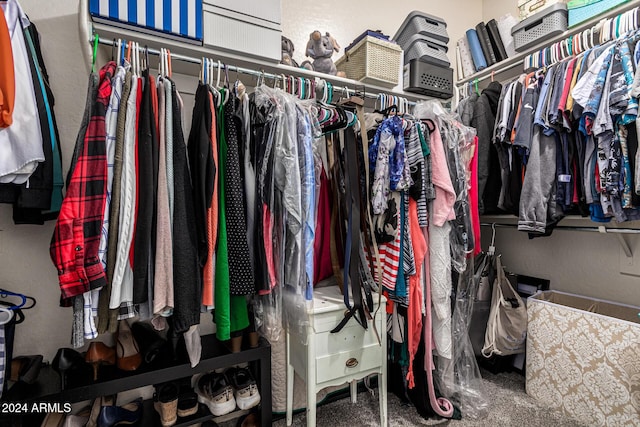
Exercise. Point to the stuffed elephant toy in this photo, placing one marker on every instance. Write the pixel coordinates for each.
(321, 49)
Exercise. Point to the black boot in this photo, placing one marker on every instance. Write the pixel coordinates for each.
(154, 348)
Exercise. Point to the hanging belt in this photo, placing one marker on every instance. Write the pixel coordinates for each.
(335, 175)
(352, 245)
(370, 236)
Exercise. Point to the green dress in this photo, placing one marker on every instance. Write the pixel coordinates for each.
(231, 312)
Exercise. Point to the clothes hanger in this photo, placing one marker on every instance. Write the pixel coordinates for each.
(310, 87)
(6, 315)
(226, 85)
(329, 92)
(223, 91)
(122, 48)
(492, 247)
(376, 102)
(114, 44)
(24, 298)
(136, 59)
(169, 70)
(128, 53)
(161, 63)
(117, 51)
(96, 39)
(209, 82)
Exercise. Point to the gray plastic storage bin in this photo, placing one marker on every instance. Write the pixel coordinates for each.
(542, 25)
(428, 79)
(426, 50)
(424, 24)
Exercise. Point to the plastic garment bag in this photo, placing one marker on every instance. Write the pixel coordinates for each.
(286, 187)
(459, 378)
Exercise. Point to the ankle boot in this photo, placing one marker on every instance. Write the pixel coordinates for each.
(153, 347)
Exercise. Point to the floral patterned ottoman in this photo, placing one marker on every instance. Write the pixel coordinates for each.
(583, 358)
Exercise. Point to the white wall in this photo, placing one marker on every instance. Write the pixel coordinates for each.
(493, 9)
(345, 20)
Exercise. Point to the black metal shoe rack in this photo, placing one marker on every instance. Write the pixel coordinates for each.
(214, 356)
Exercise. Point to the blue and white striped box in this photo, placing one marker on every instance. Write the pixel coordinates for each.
(180, 17)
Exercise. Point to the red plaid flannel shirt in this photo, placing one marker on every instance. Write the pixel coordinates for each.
(74, 245)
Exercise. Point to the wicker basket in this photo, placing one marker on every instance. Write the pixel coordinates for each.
(372, 61)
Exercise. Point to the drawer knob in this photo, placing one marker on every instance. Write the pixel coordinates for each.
(352, 363)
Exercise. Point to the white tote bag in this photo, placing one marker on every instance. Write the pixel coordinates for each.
(507, 325)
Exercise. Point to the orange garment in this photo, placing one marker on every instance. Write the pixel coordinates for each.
(7, 77)
(524, 88)
(154, 103)
(414, 313)
(212, 218)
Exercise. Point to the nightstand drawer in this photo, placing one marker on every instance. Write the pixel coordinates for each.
(345, 363)
(328, 313)
(351, 337)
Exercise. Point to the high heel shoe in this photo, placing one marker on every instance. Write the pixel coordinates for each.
(127, 351)
(67, 359)
(99, 354)
(120, 415)
(26, 368)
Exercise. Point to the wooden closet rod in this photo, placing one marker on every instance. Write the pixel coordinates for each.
(241, 70)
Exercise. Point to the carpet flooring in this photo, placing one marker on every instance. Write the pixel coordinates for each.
(510, 406)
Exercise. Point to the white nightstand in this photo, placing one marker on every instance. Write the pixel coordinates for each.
(334, 359)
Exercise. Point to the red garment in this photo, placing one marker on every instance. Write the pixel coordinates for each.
(7, 77)
(322, 244)
(135, 216)
(562, 104)
(212, 217)
(76, 237)
(473, 199)
(267, 232)
(414, 314)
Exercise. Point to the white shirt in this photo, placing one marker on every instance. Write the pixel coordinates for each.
(21, 142)
(122, 283)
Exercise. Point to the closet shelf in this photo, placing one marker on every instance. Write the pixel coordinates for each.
(569, 220)
(192, 50)
(152, 419)
(500, 70)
